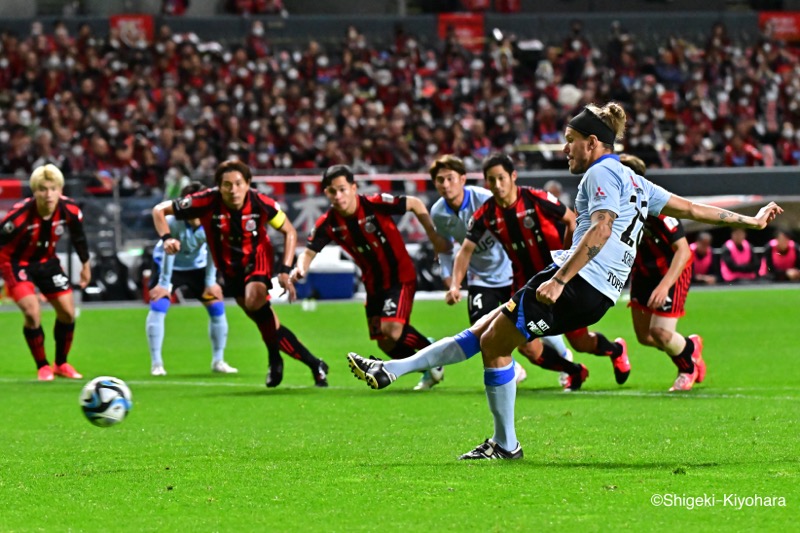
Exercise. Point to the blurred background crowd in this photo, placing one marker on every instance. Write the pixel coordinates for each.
(148, 114)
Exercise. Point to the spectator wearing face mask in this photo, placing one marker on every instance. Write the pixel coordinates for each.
(739, 152)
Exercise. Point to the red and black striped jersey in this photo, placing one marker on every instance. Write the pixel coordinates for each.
(233, 236)
(372, 239)
(655, 252)
(528, 229)
(27, 238)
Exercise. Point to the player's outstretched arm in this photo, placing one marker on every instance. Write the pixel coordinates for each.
(460, 267)
(682, 256)
(571, 222)
(415, 205)
(86, 275)
(160, 212)
(679, 207)
(303, 262)
(290, 244)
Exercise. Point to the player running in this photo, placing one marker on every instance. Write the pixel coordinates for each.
(234, 217)
(660, 281)
(363, 226)
(191, 271)
(28, 238)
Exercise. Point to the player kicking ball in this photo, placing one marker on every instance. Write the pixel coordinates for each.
(583, 283)
(192, 271)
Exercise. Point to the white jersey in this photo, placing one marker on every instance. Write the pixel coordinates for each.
(489, 265)
(608, 184)
(193, 254)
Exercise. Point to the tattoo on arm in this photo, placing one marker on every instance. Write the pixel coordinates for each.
(726, 215)
(593, 251)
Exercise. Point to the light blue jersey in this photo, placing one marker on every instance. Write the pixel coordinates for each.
(194, 253)
(608, 184)
(489, 265)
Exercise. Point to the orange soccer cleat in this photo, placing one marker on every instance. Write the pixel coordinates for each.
(45, 373)
(66, 370)
(697, 358)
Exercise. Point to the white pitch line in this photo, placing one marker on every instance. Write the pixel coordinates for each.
(545, 392)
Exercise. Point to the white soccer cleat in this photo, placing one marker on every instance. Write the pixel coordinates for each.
(430, 378)
(221, 367)
(563, 377)
(158, 370)
(520, 374)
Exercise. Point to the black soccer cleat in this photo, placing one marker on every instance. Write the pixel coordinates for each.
(321, 374)
(275, 375)
(489, 449)
(370, 370)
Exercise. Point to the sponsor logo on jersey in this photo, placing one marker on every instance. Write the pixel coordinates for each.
(511, 305)
(538, 328)
(387, 198)
(599, 194)
(389, 307)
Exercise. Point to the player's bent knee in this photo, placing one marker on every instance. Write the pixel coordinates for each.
(392, 331)
(660, 336)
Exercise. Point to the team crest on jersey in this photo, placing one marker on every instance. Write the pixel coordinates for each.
(250, 225)
(528, 222)
(369, 227)
(389, 307)
(23, 276)
(9, 227)
(59, 230)
(185, 202)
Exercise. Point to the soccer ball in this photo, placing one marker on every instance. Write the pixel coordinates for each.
(105, 401)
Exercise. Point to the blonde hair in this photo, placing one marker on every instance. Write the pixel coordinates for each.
(49, 173)
(612, 115)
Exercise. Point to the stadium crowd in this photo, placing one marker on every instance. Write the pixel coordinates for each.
(144, 113)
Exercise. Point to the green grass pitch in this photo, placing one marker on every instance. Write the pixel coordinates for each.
(203, 452)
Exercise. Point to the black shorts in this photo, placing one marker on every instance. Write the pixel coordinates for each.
(390, 305)
(483, 300)
(191, 283)
(233, 287)
(579, 305)
(643, 286)
(49, 277)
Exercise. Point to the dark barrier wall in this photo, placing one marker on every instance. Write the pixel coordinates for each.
(379, 29)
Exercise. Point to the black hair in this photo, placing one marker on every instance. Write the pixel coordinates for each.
(232, 165)
(492, 160)
(337, 171)
(191, 188)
